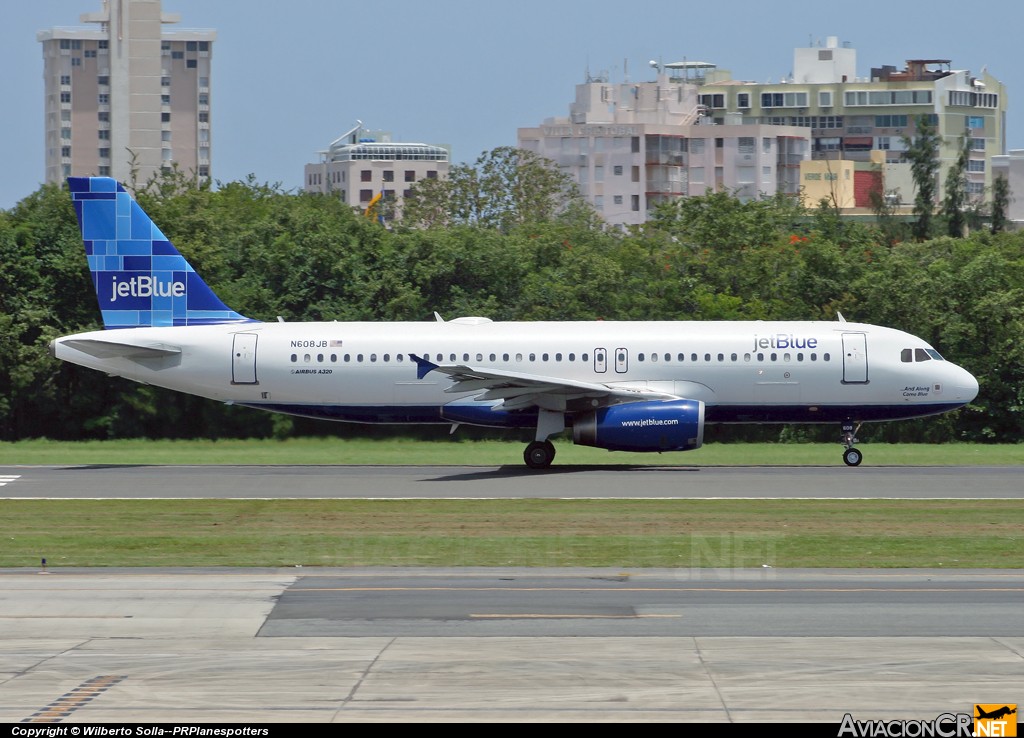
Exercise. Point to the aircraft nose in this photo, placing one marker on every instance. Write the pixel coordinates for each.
(966, 385)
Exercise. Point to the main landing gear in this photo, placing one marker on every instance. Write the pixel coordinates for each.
(851, 456)
(539, 454)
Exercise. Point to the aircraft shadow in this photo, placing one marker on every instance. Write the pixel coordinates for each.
(517, 472)
(99, 467)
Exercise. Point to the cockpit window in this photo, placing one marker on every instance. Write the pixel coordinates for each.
(909, 355)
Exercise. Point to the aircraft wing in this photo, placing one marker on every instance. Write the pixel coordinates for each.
(519, 390)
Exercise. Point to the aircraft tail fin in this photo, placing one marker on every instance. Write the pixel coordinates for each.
(140, 278)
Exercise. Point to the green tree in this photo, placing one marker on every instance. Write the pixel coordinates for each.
(954, 203)
(570, 273)
(923, 154)
(44, 291)
(722, 220)
(742, 256)
(883, 204)
(506, 187)
(272, 253)
(1000, 203)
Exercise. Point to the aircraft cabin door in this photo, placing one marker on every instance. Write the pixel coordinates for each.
(855, 358)
(243, 359)
(621, 360)
(600, 360)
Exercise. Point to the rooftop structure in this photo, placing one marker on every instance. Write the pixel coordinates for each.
(363, 167)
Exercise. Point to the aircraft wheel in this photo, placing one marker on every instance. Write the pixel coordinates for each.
(539, 454)
(852, 457)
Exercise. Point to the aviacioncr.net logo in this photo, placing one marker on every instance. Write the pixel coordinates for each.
(946, 725)
(995, 720)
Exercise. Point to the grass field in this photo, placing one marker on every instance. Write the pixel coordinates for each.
(534, 533)
(583, 533)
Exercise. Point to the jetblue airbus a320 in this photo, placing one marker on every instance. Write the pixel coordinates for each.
(627, 386)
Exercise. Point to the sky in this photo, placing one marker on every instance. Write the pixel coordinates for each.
(290, 77)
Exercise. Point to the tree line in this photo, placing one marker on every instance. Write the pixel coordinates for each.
(508, 238)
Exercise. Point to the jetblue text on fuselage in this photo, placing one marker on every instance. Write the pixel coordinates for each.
(784, 341)
(145, 286)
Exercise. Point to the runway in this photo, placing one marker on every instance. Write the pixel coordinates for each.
(506, 645)
(516, 482)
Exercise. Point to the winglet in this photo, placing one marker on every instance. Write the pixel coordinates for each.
(423, 366)
(139, 277)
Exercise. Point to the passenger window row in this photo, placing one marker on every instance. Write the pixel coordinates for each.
(571, 357)
(708, 358)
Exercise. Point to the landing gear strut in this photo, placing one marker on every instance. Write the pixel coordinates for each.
(851, 455)
(539, 454)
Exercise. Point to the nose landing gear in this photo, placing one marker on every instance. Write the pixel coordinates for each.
(851, 455)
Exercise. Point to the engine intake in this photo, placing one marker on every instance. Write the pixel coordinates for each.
(671, 425)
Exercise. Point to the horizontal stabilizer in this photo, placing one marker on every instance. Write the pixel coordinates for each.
(116, 349)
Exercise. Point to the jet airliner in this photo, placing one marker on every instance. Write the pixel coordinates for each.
(626, 386)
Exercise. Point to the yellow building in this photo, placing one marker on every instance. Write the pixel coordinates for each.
(831, 180)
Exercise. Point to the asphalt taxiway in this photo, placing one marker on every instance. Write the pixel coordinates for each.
(477, 645)
(505, 645)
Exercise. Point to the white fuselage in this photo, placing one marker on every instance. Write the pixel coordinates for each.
(364, 372)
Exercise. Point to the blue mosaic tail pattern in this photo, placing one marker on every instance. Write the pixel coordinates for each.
(140, 278)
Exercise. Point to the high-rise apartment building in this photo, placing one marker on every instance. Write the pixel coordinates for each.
(128, 98)
(631, 146)
(850, 117)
